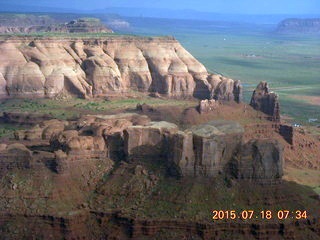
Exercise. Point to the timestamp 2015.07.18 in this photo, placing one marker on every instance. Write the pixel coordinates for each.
(263, 214)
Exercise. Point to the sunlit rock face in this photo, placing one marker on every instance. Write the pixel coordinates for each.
(50, 67)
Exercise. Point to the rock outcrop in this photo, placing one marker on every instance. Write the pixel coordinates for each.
(260, 160)
(265, 101)
(205, 150)
(225, 89)
(15, 156)
(77, 174)
(85, 68)
(86, 25)
(214, 145)
(152, 140)
(206, 106)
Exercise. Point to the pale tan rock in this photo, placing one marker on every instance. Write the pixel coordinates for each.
(93, 67)
(225, 89)
(103, 74)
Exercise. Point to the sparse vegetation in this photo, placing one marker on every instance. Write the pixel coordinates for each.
(289, 63)
(70, 108)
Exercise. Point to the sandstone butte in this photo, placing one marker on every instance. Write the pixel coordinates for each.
(83, 67)
(125, 176)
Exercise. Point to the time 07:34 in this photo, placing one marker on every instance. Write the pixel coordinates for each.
(264, 214)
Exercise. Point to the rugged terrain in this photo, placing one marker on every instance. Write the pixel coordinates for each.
(50, 67)
(148, 171)
(134, 175)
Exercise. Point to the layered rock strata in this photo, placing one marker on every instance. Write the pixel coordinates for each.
(215, 143)
(45, 67)
(260, 160)
(152, 140)
(204, 150)
(67, 186)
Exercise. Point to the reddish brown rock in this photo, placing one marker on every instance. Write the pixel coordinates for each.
(51, 128)
(25, 118)
(15, 156)
(32, 134)
(265, 101)
(260, 160)
(181, 160)
(150, 140)
(79, 143)
(61, 140)
(215, 143)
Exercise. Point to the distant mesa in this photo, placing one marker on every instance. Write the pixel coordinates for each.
(295, 25)
(34, 24)
(26, 20)
(93, 25)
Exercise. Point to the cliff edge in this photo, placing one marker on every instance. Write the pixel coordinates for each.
(49, 67)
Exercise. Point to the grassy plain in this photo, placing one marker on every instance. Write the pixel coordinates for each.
(72, 108)
(251, 53)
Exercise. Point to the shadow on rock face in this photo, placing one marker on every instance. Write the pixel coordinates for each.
(201, 90)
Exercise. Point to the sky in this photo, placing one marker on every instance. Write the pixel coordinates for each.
(219, 6)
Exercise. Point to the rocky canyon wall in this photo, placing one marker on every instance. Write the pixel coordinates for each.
(49, 67)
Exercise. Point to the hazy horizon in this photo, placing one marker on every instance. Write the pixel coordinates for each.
(290, 7)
